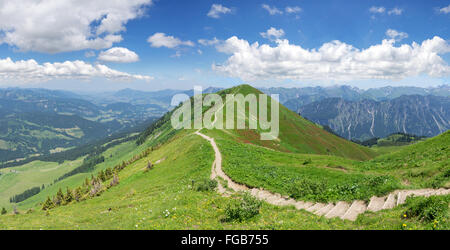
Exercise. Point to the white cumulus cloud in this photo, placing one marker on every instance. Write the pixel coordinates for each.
(375, 9)
(66, 25)
(162, 40)
(272, 10)
(118, 54)
(294, 9)
(396, 35)
(333, 61)
(217, 10)
(206, 42)
(30, 70)
(445, 10)
(395, 11)
(273, 33)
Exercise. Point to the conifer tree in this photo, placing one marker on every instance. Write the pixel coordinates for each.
(68, 197)
(3, 211)
(48, 204)
(108, 173)
(78, 193)
(101, 175)
(59, 197)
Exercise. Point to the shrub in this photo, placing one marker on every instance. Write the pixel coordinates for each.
(376, 181)
(206, 185)
(440, 179)
(427, 208)
(305, 187)
(241, 210)
(307, 161)
(3, 211)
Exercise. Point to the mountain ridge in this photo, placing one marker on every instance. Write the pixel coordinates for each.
(415, 114)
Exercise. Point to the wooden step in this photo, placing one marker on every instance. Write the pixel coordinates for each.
(303, 205)
(390, 202)
(357, 208)
(401, 197)
(308, 205)
(376, 204)
(339, 210)
(286, 202)
(315, 207)
(325, 209)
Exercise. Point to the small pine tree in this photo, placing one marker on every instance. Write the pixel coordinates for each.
(93, 180)
(101, 175)
(48, 204)
(86, 182)
(4, 211)
(78, 193)
(68, 197)
(59, 197)
(108, 173)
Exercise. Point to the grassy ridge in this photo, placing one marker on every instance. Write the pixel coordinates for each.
(297, 135)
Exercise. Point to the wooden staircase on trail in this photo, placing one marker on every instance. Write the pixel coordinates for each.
(346, 210)
(342, 209)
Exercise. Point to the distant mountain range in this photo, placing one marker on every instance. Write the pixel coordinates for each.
(359, 114)
(414, 114)
(297, 97)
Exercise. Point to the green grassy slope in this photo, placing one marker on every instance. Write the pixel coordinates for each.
(297, 134)
(163, 198)
(37, 173)
(142, 199)
(424, 164)
(16, 180)
(281, 172)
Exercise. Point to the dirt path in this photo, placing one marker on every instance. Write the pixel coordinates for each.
(341, 209)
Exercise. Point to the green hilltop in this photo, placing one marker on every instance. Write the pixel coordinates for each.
(298, 135)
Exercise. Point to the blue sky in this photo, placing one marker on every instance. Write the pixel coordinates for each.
(148, 45)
